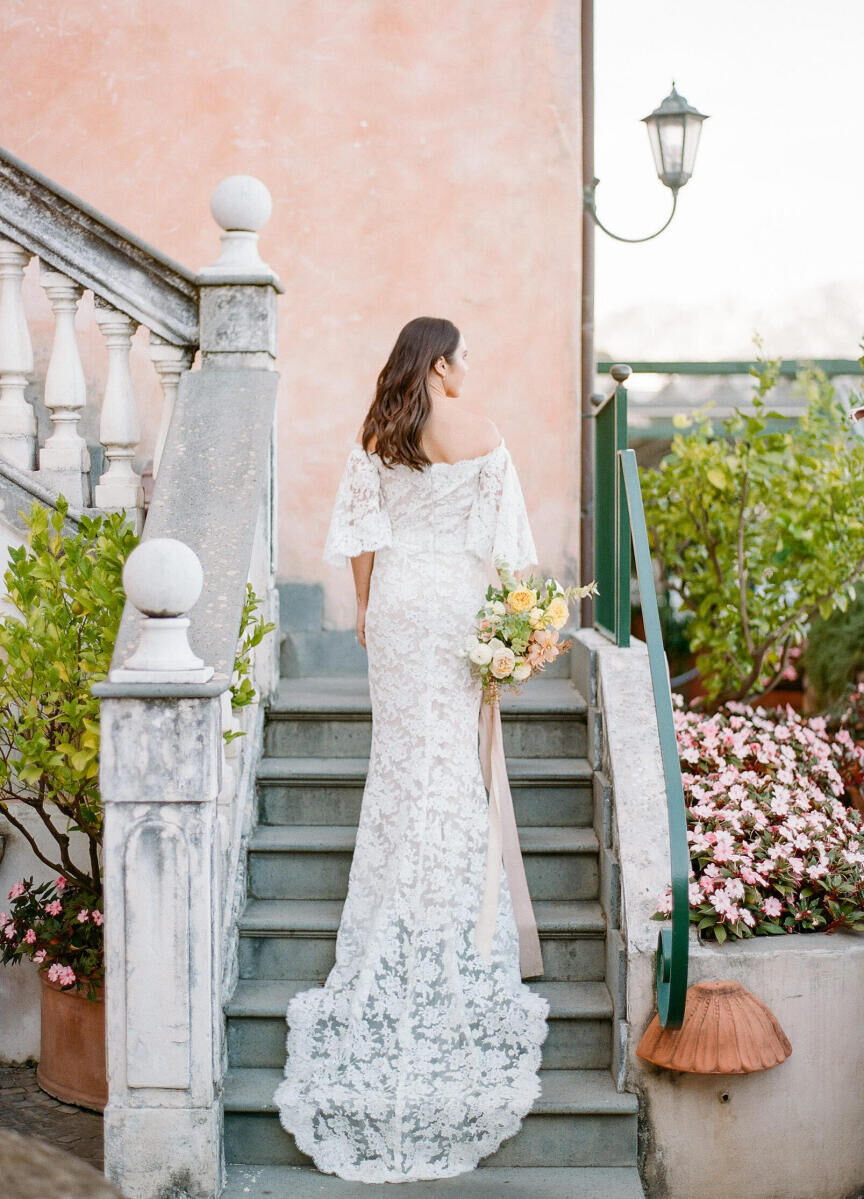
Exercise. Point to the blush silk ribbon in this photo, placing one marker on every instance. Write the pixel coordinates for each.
(503, 844)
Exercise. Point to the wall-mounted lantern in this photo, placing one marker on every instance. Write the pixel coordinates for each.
(673, 130)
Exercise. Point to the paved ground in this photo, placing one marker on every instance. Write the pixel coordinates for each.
(26, 1109)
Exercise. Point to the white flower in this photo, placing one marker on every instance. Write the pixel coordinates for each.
(495, 643)
(498, 606)
(521, 672)
(481, 653)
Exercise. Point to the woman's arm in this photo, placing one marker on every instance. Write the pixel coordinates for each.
(362, 565)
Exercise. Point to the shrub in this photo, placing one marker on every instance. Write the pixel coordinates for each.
(759, 528)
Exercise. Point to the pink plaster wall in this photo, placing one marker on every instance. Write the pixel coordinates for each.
(423, 159)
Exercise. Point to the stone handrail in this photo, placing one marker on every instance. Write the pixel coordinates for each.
(82, 244)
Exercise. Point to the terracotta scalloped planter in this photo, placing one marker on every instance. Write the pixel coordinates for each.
(72, 1057)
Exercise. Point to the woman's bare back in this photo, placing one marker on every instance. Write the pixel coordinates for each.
(451, 435)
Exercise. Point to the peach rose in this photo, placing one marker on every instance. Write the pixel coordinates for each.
(521, 599)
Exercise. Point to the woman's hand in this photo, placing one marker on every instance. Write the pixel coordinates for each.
(361, 624)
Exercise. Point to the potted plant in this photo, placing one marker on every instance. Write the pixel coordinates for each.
(758, 526)
(66, 597)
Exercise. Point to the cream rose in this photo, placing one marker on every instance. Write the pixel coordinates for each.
(521, 672)
(558, 612)
(536, 618)
(503, 661)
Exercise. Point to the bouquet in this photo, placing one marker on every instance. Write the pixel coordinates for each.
(517, 630)
(59, 926)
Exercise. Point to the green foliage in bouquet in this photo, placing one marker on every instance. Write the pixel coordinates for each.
(759, 528)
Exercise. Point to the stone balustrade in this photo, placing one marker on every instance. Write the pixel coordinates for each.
(178, 801)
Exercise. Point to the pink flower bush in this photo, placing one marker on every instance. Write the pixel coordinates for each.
(773, 846)
(59, 927)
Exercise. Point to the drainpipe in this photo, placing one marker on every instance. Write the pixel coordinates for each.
(586, 473)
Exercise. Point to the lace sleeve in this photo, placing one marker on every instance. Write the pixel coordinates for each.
(360, 520)
(498, 525)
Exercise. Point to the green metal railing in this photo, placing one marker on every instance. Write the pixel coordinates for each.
(619, 519)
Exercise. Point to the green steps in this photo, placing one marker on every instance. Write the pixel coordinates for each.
(578, 1120)
(579, 1141)
(579, 1035)
(293, 1182)
(296, 938)
(328, 791)
(313, 862)
(332, 717)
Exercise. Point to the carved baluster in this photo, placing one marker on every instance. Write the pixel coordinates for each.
(17, 420)
(119, 430)
(170, 362)
(64, 455)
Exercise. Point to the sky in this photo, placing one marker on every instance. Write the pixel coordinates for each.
(769, 233)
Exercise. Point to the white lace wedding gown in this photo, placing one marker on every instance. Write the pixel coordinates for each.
(416, 1058)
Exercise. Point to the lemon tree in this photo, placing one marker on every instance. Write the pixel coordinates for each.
(758, 525)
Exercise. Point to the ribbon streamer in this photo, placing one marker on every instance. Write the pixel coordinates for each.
(503, 844)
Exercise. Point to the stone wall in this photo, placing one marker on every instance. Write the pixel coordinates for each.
(423, 159)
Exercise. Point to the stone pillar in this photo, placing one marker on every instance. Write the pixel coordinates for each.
(160, 775)
(237, 325)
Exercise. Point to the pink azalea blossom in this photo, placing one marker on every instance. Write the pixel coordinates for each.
(83, 916)
(54, 908)
(17, 889)
(96, 916)
(9, 932)
(30, 937)
(61, 883)
(39, 956)
(772, 906)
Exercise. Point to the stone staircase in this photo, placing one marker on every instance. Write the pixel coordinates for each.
(580, 1140)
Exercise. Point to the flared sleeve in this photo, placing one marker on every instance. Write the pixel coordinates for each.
(498, 525)
(359, 521)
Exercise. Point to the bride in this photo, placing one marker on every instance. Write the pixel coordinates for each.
(418, 1057)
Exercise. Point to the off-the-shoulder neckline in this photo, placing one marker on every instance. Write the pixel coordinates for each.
(459, 461)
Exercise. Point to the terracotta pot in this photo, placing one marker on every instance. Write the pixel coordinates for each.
(779, 698)
(726, 1030)
(72, 1058)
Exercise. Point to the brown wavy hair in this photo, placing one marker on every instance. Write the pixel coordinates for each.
(401, 408)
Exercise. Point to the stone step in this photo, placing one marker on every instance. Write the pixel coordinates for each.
(579, 1036)
(328, 791)
(332, 717)
(313, 652)
(489, 1182)
(313, 862)
(301, 606)
(296, 938)
(579, 1119)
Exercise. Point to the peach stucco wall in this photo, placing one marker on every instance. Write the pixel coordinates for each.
(423, 158)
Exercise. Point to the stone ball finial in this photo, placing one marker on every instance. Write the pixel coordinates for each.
(241, 202)
(163, 577)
